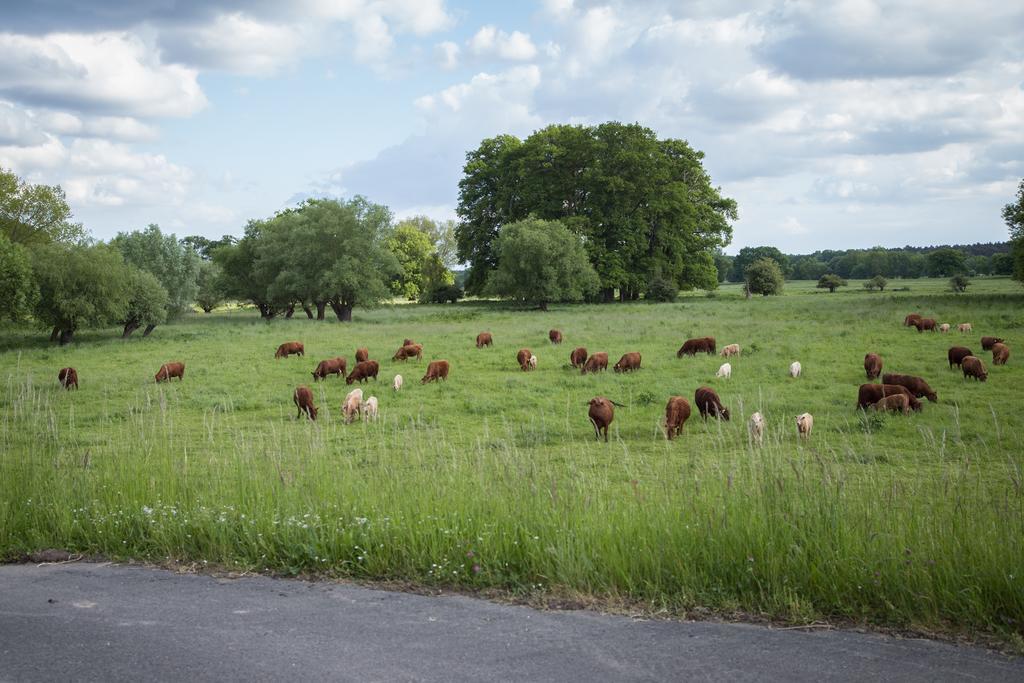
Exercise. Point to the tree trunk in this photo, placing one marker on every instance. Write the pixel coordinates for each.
(55, 334)
(623, 295)
(344, 312)
(266, 311)
(308, 310)
(543, 305)
(634, 295)
(65, 336)
(207, 310)
(290, 311)
(608, 294)
(129, 327)
(149, 328)
(321, 307)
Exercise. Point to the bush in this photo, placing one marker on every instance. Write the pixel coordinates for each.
(959, 283)
(662, 289)
(443, 294)
(877, 282)
(830, 281)
(763, 276)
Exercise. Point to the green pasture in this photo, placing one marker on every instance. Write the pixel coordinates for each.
(494, 479)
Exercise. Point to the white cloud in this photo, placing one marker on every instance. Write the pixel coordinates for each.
(238, 43)
(490, 41)
(448, 54)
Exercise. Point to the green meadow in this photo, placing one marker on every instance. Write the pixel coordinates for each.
(494, 480)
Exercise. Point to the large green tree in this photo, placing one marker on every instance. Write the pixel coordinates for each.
(764, 276)
(239, 277)
(174, 264)
(946, 262)
(35, 214)
(18, 290)
(830, 281)
(208, 282)
(1013, 214)
(540, 262)
(748, 255)
(412, 246)
(147, 302)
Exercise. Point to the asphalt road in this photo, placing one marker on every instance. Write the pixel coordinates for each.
(114, 623)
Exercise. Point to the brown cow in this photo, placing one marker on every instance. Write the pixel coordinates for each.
(677, 412)
(303, 399)
(595, 363)
(331, 366)
(691, 347)
(484, 339)
(363, 371)
(708, 403)
(925, 324)
(523, 358)
(956, 354)
(973, 367)
(629, 362)
(897, 403)
(438, 369)
(873, 365)
(601, 414)
(68, 377)
(169, 370)
(917, 386)
(873, 393)
(555, 336)
(988, 342)
(407, 342)
(578, 356)
(911, 319)
(362, 355)
(1000, 354)
(290, 349)
(409, 351)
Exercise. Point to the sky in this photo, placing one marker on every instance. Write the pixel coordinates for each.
(832, 124)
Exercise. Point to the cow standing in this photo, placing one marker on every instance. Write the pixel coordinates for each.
(68, 377)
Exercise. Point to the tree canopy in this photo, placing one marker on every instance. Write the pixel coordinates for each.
(35, 214)
(748, 255)
(641, 205)
(831, 281)
(764, 276)
(1013, 214)
(946, 262)
(147, 302)
(18, 290)
(174, 264)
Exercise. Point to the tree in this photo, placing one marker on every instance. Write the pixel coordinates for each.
(723, 265)
(808, 268)
(959, 283)
(830, 281)
(205, 247)
(79, 286)
(764, 276)
(877, 282)
(412, 247)
(147, 302)
(979, 265)
(748, 255)
(18, 290)
(239, 277)
(1013, 215)
(438, 281)
(208, 281)
(35, 214)
(1002, 264)
(946, 261)
(174, 264)
(540, 262)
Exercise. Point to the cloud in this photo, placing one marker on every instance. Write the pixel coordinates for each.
(448, 54)
(492, 42)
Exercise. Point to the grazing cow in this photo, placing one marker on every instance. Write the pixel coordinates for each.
(484, 339)
(911, 319)
(925, 324)
(596, 363)
(725, 371)
(407, 342)
(303, 399)
(628, 363)
(804, 425)
(397, 384)
(1000, 354)
(917, 386)
(708, 403)
(363, 371)
(409, 351)
(730, 350)
(68, 377)
(362, 355)
(578, 356)
(944, 327)
(872, 365)
(795, 369)
(691, 347)
(677, 412)
(370, 408)
(988, 342)
(973, 367)
(533, 362)
(956, 354)
(333, 366)
(438, 369)
(897, 403)
(756, 428)
(873, 393)
(353, 405)
(601, 414)
(963, 328)
(555, 336)
(169, 370)
(290, 349)
(523, 358)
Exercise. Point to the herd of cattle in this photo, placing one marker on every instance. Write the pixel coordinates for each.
(897, 393)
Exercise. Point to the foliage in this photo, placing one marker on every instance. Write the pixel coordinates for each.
(830, 281)
(205, 246)
(877, 282)
(946, 262)
(438, 281)
(412, 247)
(174, 264)
(442, 294)
(905, 262)
(18, 290)
(540, 262)
(959, 283)
(35, 214)
(239, 278)
(808, 268)
(763, 276)
(1013, 215)
(639, 203)
(723, 265)
(1002, 264)
(208, 283)
(748, 255)
(147, 302)
(661, 289)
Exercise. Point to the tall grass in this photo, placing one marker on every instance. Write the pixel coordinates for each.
(494, 479)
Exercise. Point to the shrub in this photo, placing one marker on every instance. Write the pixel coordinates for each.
(662, 289)
(959, 283)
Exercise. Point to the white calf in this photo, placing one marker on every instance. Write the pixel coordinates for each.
(370, 408)
(756, 427)
(397, 384)
(725, 371)
(804, 423)
(795, 369)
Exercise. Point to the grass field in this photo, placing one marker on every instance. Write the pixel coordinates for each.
(494, 479)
